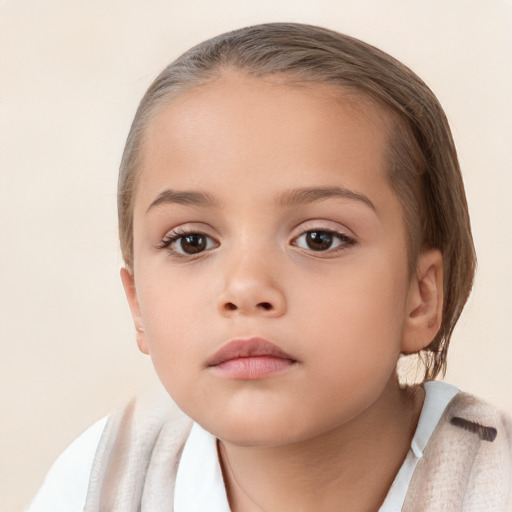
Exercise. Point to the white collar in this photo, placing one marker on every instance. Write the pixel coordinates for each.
(199, 482)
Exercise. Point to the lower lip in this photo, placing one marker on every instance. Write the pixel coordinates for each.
(252, 368)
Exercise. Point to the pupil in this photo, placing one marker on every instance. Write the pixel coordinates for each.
(192, 244)
(319, 240)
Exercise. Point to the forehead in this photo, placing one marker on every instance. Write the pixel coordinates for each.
(262, 126)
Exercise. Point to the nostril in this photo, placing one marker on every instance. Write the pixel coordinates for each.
(261, 306)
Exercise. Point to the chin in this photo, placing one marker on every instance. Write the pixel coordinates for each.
(247, 430)
(255, 438)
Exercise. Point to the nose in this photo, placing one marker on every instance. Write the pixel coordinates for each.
(251, 288)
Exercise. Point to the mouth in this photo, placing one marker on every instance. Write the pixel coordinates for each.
(250, 359)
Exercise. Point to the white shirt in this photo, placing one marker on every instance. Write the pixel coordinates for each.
(199, 482)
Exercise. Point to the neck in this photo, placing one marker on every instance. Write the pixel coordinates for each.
(347, 468)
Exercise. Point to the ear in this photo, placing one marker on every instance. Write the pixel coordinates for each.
(131, 294)
(424, 302)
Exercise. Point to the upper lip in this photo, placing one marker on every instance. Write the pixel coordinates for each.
(249, 347)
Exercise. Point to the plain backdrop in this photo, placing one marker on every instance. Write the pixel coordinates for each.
(71, 75)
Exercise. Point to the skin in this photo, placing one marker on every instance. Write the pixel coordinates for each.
(331, 430)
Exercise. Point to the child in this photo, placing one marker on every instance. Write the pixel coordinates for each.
(293, 220)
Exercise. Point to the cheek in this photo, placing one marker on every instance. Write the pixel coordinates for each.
(358, 322)
(172, 323)
(364, 293)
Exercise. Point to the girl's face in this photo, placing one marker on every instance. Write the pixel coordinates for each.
(271, 283)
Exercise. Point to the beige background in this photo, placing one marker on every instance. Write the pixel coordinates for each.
(71, 75)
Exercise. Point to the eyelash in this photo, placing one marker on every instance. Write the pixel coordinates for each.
(177, 234)
(172, 236)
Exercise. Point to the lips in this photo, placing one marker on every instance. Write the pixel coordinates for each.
(252, 358)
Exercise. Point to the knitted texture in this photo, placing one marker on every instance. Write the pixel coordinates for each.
(467, 464)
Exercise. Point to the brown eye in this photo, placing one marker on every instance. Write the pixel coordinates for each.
(323, 240)
(319, 240)
(181, 243)
(192, 243)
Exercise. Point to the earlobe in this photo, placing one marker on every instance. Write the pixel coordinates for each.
(131, 295)
(425, 302)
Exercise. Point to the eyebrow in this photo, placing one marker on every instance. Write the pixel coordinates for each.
(293, 197)
(185, 197)
(299, 196)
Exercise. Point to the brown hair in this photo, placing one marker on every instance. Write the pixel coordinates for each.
(423, 166)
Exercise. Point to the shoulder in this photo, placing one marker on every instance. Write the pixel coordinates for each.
(138, 455)
(479, 409)
(473, 421)
(478, 417)
(467, 464)
(117, 449)
(65, 486)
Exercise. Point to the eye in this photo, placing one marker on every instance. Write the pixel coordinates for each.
(322, 240)
(187, 244)
(193, 243)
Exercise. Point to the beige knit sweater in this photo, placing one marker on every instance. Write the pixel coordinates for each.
(466, 466)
